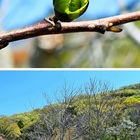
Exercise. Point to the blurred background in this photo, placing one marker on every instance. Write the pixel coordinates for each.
(75, 50)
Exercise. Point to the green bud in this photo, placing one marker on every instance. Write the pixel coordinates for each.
(68, 10)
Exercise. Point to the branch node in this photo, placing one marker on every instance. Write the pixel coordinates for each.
(58, 25)
(49, 21)
(101, 28)
(113, 29)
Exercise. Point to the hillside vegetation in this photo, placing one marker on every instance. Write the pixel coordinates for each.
(108, 115)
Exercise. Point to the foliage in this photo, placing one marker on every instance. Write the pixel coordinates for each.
(129, 91)
(9, 129)
(122, 131)
(26, 119)
(134, 86)
(131, 101)
(100, 113)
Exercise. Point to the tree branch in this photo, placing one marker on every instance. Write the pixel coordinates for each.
(46, 27)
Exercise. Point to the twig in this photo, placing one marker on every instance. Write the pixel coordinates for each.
(46, 27)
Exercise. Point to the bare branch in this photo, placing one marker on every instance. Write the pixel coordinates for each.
(46, 27)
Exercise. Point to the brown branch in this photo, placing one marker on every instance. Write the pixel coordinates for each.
(46, 27)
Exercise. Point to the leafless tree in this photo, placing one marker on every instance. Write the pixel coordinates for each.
(101, 111)
(56, 119)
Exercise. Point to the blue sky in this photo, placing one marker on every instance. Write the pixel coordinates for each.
(33, 11)
(23, 90)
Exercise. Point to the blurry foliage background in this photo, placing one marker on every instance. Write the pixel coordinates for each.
(75, 50)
